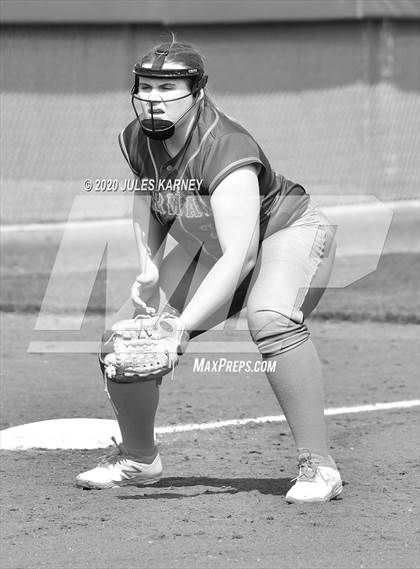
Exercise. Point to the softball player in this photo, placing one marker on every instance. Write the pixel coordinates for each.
(245, 237)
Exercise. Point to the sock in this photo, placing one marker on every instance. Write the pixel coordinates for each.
(135, 406)
(298, 385)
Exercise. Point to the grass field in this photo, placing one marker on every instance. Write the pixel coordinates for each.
(396, 278)
(390, 293)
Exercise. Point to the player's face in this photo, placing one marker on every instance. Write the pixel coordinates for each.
(160, 92)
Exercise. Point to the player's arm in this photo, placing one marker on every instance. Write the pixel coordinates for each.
(149, 233)
(236, 205)
(150, 238)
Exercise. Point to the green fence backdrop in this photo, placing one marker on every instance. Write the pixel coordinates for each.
(335, 105)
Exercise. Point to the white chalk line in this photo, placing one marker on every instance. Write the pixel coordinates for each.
(80, 433)
(104, 223)
(370, 207)
(61, 225)
(281, 418)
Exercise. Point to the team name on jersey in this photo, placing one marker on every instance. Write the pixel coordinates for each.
(179, 204)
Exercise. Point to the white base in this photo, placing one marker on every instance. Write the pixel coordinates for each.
(61, 434)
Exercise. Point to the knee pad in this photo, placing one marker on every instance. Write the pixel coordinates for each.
(275, 333)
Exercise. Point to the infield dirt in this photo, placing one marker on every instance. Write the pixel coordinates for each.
(221, 503)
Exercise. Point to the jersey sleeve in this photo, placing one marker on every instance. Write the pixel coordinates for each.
(129, 147)
(228, 153)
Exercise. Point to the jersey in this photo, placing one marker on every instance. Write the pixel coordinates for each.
(181, 186)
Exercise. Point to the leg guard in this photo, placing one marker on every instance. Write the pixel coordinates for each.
(274, 333)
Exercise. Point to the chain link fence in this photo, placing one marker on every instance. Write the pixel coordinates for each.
(335, 106)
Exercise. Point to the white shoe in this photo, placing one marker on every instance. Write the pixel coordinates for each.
(119, 469)
(318, 480)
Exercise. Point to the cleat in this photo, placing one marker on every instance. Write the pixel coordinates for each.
(120, 469)
(318, 480)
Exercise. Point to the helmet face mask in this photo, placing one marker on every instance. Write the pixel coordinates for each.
(164, 102)
(155, 127)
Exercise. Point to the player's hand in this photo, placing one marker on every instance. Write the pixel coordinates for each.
(143, 289)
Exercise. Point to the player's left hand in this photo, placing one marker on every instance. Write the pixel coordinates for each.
(145, 347)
